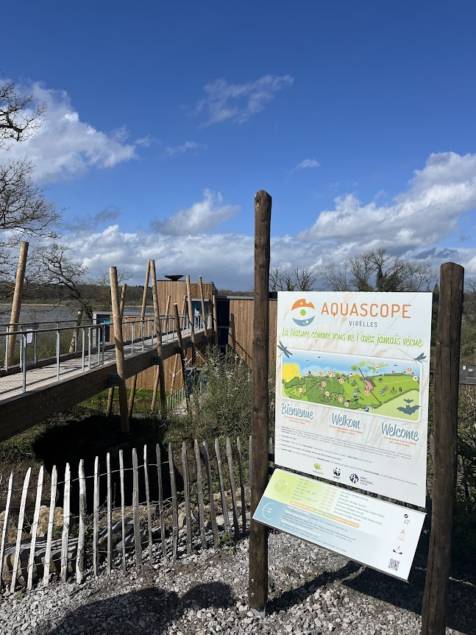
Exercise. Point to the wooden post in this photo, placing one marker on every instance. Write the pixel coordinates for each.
(119, 346)
(17, 297)
(445, 425)
(160, 361)
(215, 319)
(182, 356)
(132, 393)
(258, 545)
(110, 392)
(190, 317)
(202, 303)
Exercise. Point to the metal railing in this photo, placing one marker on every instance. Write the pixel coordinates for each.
(37, 346)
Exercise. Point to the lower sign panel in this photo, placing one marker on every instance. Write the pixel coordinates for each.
(368, 530)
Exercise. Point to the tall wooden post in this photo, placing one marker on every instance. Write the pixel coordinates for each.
(202, 303)
(17, 297)
(215, 318)
(258, 544)
(110, 392)
(445, 432)
(182, 356)
(160, 361)
(132, 392)
(119, 346)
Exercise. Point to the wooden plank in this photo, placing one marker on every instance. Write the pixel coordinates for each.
(201, 506)
(51, 524)
(81, 528)
(110, 392)
(224, 507)
(186, 493)
(123, 508)
(21, 518)
(5, 523)
(202, 304)
(258, 544)
(95, 515)
(173, 488)
(229, 459)
(147, 502)
(242, 484)
(135, 509)
(445, 431)
(34, 529)
(66, 523)
(160, 488)
(211, 500)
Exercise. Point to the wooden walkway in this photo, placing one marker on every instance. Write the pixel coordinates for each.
(46, 394)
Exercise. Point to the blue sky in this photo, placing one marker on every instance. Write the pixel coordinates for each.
(163, 119)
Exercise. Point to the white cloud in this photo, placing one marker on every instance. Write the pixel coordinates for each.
(438, 195)
(188, 147)
(415, 226)
(62, 145)
(306, 164)
(200, 217)
(238, 102)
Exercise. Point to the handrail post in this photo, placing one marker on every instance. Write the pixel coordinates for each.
(89, 347)
(58, 346)
(24, 343)
(83, 347)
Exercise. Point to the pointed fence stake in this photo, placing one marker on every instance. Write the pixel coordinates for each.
(51, 523)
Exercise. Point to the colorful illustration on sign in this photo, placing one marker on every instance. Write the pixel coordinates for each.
(303, 312)
(386, 387)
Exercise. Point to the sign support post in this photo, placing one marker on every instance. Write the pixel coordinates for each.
(446, 392)
(258, 542)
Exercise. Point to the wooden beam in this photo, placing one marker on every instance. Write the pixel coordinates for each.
(132, 393)
(160, 361)
(258, 544)
(17, 298)
(182, 356)
(445, 436)
(119, 346)
(202, 303)
(110, 392)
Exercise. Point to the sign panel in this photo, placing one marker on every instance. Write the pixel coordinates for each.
(374, 532)
(352, 379)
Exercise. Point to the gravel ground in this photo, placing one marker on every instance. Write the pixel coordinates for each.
(311, 591)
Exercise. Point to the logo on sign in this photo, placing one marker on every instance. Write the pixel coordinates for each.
(303, 312)
(354, 478)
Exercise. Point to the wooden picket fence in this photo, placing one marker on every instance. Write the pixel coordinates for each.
(156, 502)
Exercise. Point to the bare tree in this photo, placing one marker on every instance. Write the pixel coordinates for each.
(17, 114)
(378, 271)
(57, 269)
(296, 280)
(23, 207)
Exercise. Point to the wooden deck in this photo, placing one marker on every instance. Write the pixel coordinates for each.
(45, 395)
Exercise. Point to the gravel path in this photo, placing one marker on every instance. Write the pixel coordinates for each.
(311, 591)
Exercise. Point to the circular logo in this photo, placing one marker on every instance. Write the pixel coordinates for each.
(336, 472)
(354, 478)
(303, 312)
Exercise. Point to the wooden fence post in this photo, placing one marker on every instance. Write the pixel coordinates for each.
(160, 361)
(445, 431)
(215, 318)
(119, 346)
(182, 357)
(16, 302)
(132, 392)
(258, 543)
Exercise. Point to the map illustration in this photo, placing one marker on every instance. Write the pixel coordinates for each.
(379, 386)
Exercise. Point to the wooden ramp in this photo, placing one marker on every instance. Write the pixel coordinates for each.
(48, 392)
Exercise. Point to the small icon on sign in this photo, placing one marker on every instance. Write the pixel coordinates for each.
(398, 551)
(354, 478)
(336, 472)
